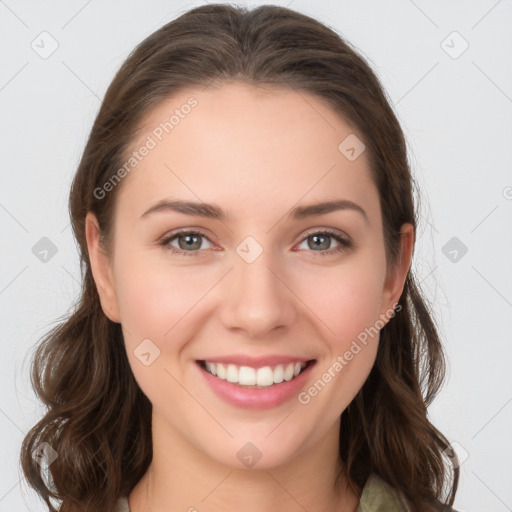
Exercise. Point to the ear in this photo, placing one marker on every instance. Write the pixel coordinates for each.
(101, 269)
(395, 278)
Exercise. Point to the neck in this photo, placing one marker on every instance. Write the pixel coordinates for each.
(180, 478)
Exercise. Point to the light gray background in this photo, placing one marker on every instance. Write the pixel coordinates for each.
(455, 112)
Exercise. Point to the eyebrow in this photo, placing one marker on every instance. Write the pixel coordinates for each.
(213, 211)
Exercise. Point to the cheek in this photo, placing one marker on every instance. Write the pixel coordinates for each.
(346, 299)
(350, 347)
(156, 301)
(354, 308)
(153, 297)
(157, 297)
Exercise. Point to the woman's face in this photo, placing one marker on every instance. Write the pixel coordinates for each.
(258, 278)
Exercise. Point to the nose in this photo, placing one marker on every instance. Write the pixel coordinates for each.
(258, 298)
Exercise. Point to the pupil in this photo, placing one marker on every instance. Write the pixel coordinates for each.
(190, 242)
(318, 237)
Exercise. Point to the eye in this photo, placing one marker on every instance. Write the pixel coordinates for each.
(322, 240)
(189, 242)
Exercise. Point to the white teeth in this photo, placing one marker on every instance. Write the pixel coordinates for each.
(264, 376)
(221, 370)
(247, 376)
(232, 373)
(278, 374)
(211, 368)
(288, 372)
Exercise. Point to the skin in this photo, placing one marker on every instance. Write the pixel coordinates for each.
(256, 153)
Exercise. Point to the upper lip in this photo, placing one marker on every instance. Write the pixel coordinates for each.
(256, 362)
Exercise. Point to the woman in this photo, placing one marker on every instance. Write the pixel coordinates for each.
(288, 363)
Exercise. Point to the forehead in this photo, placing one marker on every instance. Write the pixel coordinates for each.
(239, 144)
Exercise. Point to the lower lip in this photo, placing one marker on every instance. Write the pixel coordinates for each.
(254, 398)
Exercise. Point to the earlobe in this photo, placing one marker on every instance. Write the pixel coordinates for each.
(101, 269)
(395, 280)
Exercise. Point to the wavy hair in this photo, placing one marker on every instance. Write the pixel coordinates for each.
(97, 418)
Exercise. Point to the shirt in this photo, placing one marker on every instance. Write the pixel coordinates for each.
(377, 496)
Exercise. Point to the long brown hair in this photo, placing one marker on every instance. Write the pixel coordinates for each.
(98, 420)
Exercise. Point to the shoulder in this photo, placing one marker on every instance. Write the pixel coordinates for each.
(122, 505)
(379, 496)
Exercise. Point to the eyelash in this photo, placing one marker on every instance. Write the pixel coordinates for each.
(344, 244)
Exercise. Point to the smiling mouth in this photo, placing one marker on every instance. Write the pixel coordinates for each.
(258, 378)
